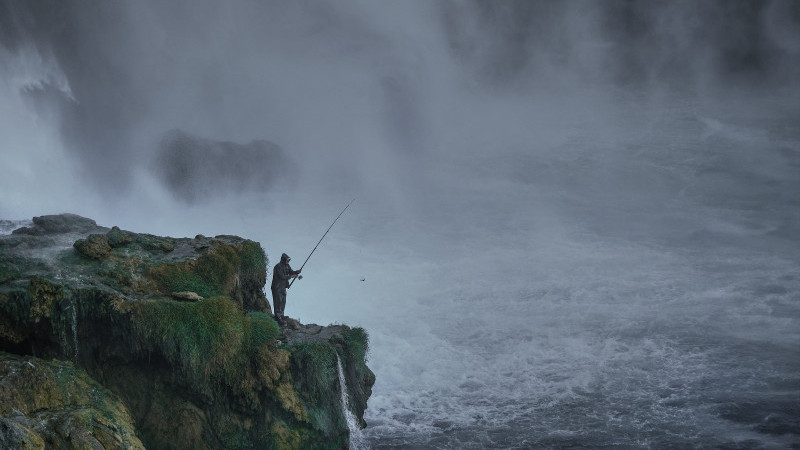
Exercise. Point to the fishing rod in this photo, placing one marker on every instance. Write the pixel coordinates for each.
(320, 239)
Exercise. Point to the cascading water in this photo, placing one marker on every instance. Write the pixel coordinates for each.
(74, 324)
(69, 320)
(357, 440)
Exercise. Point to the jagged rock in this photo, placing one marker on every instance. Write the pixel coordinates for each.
(150, 242)
(60, 223)
(187, 295)
(292, 324)
(118, 238)
(14, 434)
(28, 230)
(50, 404)
(207, 374)
(95, 246)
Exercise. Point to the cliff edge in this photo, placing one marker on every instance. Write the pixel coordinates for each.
(140, 341)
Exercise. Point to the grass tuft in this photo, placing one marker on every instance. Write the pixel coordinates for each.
(259, 328)
(199, 338)
(213, 274)
(316, 378)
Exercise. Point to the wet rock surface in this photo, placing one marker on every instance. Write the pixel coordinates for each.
(293, 331)
(50, 404)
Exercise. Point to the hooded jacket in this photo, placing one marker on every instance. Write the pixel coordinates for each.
(281, 273)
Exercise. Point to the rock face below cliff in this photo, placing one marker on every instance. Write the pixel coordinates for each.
(178, 330)
(50, 404)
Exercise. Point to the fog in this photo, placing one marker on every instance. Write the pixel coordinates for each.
(577, 222)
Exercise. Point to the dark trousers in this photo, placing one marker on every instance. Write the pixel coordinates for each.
(278, 300)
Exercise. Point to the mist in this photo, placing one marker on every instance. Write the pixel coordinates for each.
(571, 218)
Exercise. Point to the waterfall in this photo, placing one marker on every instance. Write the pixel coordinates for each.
(74, 308)
(357, 440)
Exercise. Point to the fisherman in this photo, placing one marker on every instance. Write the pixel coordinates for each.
(280, 281)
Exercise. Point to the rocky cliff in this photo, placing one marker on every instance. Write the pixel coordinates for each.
(115, 339)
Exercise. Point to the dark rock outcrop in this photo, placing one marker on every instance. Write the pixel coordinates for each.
(58, 223)
(95, 246)
(195, 168)
(216, 372)
(118, 238)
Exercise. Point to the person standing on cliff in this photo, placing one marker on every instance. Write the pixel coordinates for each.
(281, 274)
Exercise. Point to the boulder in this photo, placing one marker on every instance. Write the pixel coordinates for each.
(118, 238)
(58, 223)
(95, 246)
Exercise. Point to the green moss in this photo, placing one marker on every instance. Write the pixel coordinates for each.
(213, 274)
(118, 238)
(356, 343)
(8, 272)
(155, 243)
(43, 297)
(95, 246)
(200, 338)
(180, 277)
(78, 263)
(253, 257)
(218, 266)
(316, 378)
(259, 328)
(237, 440)
(62, 406)
(212, 343)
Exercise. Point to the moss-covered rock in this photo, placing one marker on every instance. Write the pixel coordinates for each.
(58, 223)
(63, 223)
(50, 404)
(215, 373)
(95, 246)
(155, 243)
(118, 238)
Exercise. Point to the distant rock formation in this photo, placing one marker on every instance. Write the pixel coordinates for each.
(173, 335)
(194, 168)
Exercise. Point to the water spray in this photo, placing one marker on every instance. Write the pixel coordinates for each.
(320, 240)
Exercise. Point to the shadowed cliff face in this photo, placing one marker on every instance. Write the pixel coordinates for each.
(179, 330)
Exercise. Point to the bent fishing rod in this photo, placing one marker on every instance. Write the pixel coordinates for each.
(320, 239)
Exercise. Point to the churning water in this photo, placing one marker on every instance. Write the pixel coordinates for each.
(651, 301)
(640, 293)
